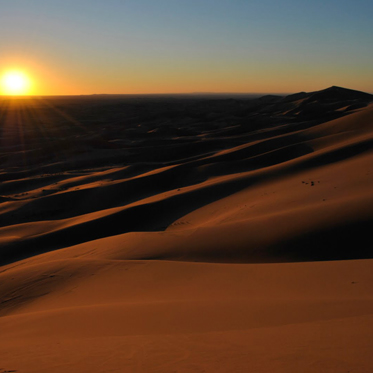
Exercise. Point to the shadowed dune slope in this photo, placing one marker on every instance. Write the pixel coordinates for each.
(188, 234)
(193, 178)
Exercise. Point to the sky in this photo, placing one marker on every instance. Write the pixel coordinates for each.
(187, 46)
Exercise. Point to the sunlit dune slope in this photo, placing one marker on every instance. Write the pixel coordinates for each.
(153, 316)
(187, 234)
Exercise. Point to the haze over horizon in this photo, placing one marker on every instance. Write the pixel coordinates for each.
(144, 47)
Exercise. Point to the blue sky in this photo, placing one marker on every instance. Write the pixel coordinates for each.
(161, 46)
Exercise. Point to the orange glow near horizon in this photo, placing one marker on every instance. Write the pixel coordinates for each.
(15, 83)
(170, 47)
(50, 77)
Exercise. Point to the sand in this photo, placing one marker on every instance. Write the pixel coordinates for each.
(187, 234)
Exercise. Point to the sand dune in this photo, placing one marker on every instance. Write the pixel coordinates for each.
(187, 234)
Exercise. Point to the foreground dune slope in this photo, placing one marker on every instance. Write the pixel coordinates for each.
(159, 316)
(220, 251)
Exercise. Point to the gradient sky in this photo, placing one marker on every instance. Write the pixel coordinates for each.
(175, 46)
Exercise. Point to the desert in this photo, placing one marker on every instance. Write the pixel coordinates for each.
(187, 233)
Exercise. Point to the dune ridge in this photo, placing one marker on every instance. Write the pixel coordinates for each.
(186, 234)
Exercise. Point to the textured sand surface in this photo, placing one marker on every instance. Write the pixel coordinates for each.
(183, 234)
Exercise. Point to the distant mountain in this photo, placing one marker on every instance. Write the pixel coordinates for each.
(321, 104)
(329, 94)
(337, 94)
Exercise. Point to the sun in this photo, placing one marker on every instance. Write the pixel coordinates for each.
(15, 83)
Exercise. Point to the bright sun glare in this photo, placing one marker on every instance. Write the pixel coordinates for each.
(15, 83)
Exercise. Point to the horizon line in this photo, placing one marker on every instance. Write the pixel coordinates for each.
(174, 94)
(149, 94)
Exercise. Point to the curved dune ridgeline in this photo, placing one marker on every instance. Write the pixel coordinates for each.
(191, 234)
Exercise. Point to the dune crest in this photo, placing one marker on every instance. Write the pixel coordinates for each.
(187, 234)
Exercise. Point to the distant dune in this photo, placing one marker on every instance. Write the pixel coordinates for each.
(199, 234)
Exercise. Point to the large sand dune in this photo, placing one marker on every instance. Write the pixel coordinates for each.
(187, 234)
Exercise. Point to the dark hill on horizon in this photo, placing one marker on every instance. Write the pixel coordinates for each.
(333, 93)
(326, 102)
